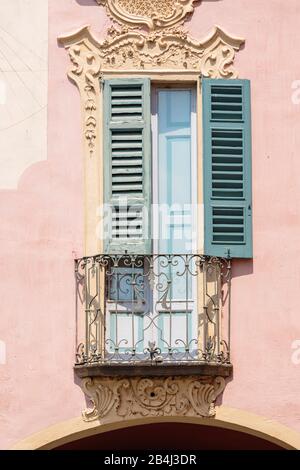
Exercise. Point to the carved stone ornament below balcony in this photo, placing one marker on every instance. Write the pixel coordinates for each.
(150, 397)
(155, 14)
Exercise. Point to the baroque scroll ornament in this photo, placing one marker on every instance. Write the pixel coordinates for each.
(155, 14)
(150, 397)
(169, 50)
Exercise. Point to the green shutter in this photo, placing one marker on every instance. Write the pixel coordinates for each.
(227, 168)
(127, 161)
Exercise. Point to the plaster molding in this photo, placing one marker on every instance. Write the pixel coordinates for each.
(173, 49)
(150, 397)
(102, 396)
(154, 14)
(85, 73)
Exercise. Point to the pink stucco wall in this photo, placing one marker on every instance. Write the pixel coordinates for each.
(42, 231)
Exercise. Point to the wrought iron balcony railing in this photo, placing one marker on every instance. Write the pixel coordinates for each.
(157, 309)
(153, 308)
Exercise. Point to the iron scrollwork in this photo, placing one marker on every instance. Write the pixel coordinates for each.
(157, 308)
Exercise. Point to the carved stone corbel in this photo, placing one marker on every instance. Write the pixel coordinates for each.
(115, 398)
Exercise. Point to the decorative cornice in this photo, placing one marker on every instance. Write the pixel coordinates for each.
(155, 14)
(126, 50)
(147, 397)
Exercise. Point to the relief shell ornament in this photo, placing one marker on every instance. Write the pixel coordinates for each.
(154, 14)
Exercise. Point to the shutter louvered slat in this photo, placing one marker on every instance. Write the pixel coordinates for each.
(127, 223)
(126, 181)
(226, 224)
(127, 148)
(227, 143)
(126, 102)
(227, 167)
(226, 103)
(121, 170)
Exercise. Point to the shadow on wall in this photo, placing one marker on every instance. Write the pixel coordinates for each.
(242, 267)
(87, 3)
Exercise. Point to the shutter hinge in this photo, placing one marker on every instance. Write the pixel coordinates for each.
(101, 81)
(200, 81)
(228, 255)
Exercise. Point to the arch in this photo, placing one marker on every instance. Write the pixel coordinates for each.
(226, 418)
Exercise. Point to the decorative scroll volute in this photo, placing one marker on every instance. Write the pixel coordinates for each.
(102, 397)
(155, 14)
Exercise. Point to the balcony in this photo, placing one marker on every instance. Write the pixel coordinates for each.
(153, 315)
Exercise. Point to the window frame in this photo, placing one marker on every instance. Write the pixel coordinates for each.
(166, 79)
(155, 89)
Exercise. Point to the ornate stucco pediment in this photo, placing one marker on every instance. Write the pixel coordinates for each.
(128, 50)
(155, 14)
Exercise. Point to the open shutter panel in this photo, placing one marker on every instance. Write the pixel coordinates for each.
(127, 147)
(227, 168)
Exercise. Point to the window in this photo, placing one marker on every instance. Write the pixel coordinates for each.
(174, 157)
(151, 156)
(152, 183)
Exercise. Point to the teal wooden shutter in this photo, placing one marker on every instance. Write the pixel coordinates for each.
(127, 161)
(227, 168)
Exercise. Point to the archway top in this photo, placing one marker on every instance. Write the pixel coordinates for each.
(227, 418)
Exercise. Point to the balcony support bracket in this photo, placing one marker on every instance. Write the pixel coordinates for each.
(113, 398)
